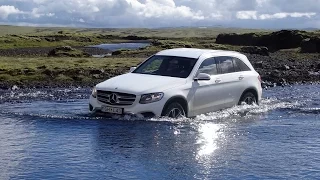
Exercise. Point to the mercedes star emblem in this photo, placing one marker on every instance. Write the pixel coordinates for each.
(113, 98)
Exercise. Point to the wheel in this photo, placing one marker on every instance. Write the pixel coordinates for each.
(175, 110)
(248, 98)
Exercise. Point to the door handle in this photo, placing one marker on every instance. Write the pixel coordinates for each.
(218, 80)
(241, 77)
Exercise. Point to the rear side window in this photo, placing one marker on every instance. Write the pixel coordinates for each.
(208, 66)
(239, 65)
(225, 64)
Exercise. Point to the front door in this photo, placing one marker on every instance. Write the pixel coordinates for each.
(209, 94)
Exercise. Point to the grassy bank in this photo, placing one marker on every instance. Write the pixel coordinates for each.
(43, 71)
(21, 37)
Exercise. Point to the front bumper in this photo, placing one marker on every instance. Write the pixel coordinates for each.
(136, 108)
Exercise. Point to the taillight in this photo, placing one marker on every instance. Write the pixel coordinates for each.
(259, 77)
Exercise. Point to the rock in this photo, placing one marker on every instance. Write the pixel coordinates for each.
(318, 66)
(15, 87)
(50, 39)
(28, 71)
(248, 39)
(47, 72)
(258, 64)
(188, 46)
(156, 43)
(117, 52)
(255, 50)
(285, 67)
(42, 67)
(68, 52)
(310, 45)
(284, 39)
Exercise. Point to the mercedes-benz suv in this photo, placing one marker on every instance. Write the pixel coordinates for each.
(182, 82)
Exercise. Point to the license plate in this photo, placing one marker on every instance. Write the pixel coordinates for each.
(112, 110)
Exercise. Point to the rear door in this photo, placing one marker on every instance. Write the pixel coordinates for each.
(230, 79)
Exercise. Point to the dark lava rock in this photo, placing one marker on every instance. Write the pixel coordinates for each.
(258, 64)
(117, 52)
(311, 45)
(42, 67)
(285, 67)
(248, 39)
(255, 50)
(28, 71)
(156, 43)
(67, 51)
(284, 39)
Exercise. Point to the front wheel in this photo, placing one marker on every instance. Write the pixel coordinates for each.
(248, 98)
(175, 110)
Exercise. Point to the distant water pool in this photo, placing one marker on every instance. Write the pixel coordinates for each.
(117, 46)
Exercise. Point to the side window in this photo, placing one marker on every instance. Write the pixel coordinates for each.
(225, 64)
(153, 66)
(240, 65)
(208, 66)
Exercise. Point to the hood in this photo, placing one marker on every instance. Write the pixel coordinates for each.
(140, 83)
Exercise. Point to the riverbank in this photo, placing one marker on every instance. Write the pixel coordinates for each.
(279, 68)
(32, 60)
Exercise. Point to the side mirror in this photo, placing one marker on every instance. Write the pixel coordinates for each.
(202, 77)
(132, 69)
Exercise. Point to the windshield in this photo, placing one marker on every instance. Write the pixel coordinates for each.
(172, 66)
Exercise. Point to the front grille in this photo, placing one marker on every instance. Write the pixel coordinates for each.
(115, 98)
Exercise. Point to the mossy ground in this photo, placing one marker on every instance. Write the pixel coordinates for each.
(64, 71)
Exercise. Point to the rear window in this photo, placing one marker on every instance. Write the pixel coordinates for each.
(239, 65)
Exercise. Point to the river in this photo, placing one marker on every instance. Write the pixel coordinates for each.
(49, 134)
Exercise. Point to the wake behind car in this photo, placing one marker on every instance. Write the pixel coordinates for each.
(183, 82)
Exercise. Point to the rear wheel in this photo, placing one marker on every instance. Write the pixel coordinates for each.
(248, 98)
(175, 110)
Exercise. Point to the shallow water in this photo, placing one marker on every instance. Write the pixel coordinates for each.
(49, 134)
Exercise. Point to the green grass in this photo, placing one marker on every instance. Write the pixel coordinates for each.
(62, 70)
(9, 63)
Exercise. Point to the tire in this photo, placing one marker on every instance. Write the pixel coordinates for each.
(248, 98)
(174, 110)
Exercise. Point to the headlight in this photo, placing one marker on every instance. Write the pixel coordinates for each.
(94, 92)
(150, 98)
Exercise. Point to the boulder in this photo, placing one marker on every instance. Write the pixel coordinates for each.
(284, 39)
(248, 39)
(264, 51)
(67, 51)
(285, 67)
(258, 64)
(310, 45)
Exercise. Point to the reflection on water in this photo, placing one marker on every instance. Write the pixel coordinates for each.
(209, 135)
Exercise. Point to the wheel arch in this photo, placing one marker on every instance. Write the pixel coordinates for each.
(180, 99)
(253, 90)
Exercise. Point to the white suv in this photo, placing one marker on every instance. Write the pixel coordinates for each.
(180, 82)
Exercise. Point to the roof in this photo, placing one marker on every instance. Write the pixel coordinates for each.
(188, 52)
